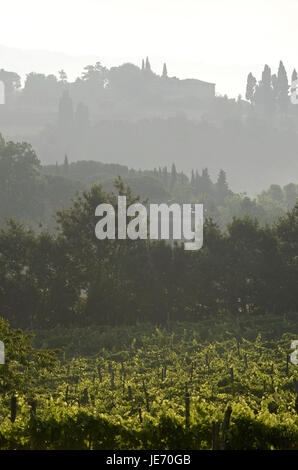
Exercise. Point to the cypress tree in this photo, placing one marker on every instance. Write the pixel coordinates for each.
(294, 78)
(65, 165)
(264, 92)
(148, 66)
(173, 175)
(205, 183)
(250, 88)
(222, 186)
(282, 86)
(192, 179)
(164, 71)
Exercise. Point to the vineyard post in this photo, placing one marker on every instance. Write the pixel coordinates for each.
(238, 348)
(215, 434)
(99, 374)
(146, 397)
(112, 380)
(13, 408)
(123, 371)
(272, 384)
(85, 398)
(191, 373)
(232, 379)
(33, 408)
(140, 415)
(225, 426)
(187, 406)
(207, 361)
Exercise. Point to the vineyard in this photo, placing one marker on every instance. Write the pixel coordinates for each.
(214, 384)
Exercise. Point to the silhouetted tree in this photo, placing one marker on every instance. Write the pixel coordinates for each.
(65, 164)
(197, 178)
(62, 76)
(222, 187)
(192, 178)
(291, 194)
(11, 80)
(282, 87)
(147, 66)
(95, 72)
(205, 183)
(164, 71)
(264, 92)
(173, 175)
(250, 88)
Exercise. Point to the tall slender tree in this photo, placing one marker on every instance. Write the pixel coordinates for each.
(192, 178)
(65, 164)
(282, 86)
(147, 66)
(222, 186)
(250, 88)
(264, 92)
(165, 71)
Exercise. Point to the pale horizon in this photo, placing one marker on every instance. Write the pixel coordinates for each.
(243, 37)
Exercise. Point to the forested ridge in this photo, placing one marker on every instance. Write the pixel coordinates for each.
(66, 276)
(132, 115)
(32, 192)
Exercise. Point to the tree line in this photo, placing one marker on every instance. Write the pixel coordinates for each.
(68, 277)
(271, 93)
(32, 193)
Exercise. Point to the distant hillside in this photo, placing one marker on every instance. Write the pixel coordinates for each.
(132, 116)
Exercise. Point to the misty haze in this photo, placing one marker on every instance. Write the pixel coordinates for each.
(148, 227)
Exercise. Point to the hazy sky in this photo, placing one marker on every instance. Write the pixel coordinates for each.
(215, 40)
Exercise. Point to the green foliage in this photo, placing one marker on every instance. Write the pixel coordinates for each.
(72, 278)
(76, 408)
(32, 193)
